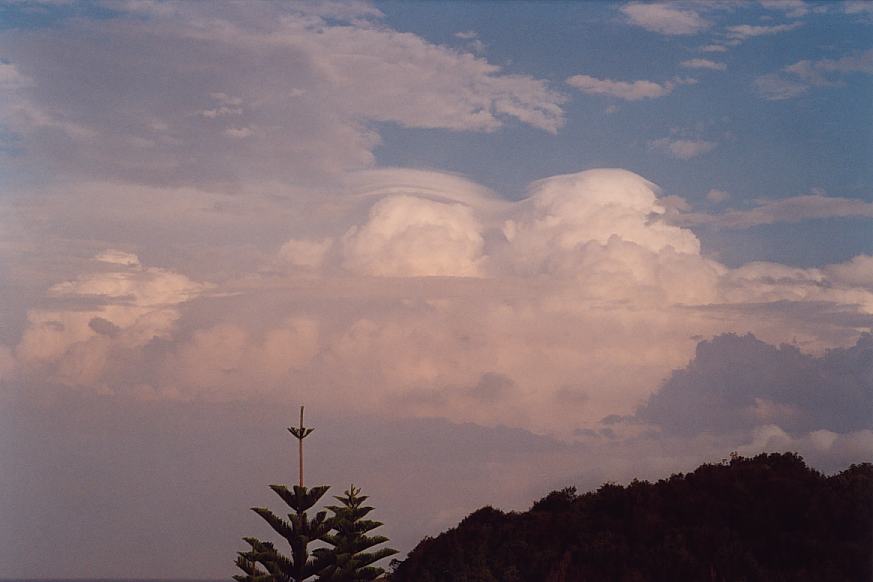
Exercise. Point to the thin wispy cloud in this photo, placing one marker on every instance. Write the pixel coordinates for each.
(818, 72)
(717, 196)
(861, 7)
(473, 42)
(743, 32)
(665, 18)
(791, 8)
(786, 210)
(775, 87)
(796, 79)
(703, 64)
(682, 148)
(626, 90)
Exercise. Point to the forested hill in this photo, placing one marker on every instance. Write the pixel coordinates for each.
(768, 518)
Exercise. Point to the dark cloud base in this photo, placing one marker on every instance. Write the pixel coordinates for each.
(739, 382)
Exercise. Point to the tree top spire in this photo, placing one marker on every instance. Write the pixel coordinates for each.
(300, 433)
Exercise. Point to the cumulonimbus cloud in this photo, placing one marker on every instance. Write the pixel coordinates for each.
(436, 286)
(407, 236)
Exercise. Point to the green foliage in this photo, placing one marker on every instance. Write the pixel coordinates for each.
(348, 560)
(265, 554)
(300, 433)
(766, 518)
(298, 529)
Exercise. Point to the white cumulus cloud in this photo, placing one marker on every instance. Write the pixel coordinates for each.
(410, 236)
(665, 18)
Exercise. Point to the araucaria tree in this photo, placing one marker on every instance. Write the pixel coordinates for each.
(345, 558)
(349, 559)
(263, 563)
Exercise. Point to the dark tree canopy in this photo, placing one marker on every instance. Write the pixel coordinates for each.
(768, 518)
(298, 530)
(350, 559)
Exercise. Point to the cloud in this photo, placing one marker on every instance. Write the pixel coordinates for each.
(216, 361)
(665, 18)
(773, 87)
(792, 209)
(472, 40)
(224, 106)
(703, 64)
(343, 10)
(397, 293)
(305, 253)
(422, 292)
(857, 271)
(816, 72)
(714, 48)
(857, 7)
(739, 382)
(796, 79)
(11, 78)
(492, 387)
(683, 149)
(117, 257)
(407, 236)
(73, 340)
(627, 90)
(791, 8)
(433, 185)
(563, 213)
(304, 114)
(104, 326)
(717, 196)
(239, 132)
(760, 282)
(742, 32)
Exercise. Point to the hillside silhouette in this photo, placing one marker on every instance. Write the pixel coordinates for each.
(767, 518)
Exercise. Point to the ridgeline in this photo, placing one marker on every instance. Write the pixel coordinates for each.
(767, 518)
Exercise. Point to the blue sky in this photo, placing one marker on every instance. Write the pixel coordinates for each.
(765, 149)
(495, 248)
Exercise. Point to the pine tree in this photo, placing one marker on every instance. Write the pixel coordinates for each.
(298, 529)
(349, 560)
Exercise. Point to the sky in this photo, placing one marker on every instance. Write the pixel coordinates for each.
(494, 249)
